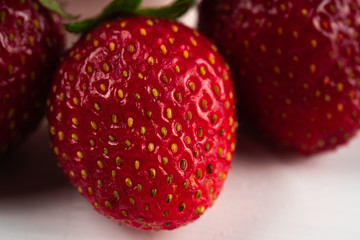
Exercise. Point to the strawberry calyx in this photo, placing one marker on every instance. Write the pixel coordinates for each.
(126, 8)
(55, 6)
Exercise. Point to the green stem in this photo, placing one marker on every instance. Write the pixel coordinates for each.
(55, 6)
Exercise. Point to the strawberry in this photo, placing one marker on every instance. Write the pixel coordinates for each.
(142, 121)
(31, 40)
(296, 67)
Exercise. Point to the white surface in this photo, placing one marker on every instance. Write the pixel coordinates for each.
(266, 196)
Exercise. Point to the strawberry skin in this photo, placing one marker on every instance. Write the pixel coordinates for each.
(30, 46)
(142, 121)
(296, 67)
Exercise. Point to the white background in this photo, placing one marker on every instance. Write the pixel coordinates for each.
(266, 196)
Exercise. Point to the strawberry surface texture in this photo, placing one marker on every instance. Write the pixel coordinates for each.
(30, 46)
(296, 65)
(142, 121)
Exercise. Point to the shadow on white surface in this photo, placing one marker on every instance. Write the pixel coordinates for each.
(31, 168)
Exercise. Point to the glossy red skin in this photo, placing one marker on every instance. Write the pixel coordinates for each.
(94, 50)
(24, 85)
(297, 108)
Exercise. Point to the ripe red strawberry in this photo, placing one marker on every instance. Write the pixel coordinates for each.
(296, 65)
(30, 45)
(142, 121)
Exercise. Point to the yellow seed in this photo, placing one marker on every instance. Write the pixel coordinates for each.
(120, 93)
(31, 40)
(108, 204)
(84, 173)
(151, 60)
(163, 131)
(132, 201)
(177, 68)
(106, 67)
(97, 107)
(199, 210)
(168, 198)
(340, 107)
(228, 156)
(100, 183)
(198, 194)
(119, 161)
(76, 101)
(143, 32)
(304, 12)
(61, 136)
(192, 86)
(127, 142)
(213, 47)
(163, 48)
(173, 147)
(168, 113)
(116, 195)
(340, 87)
(152, 172)
(178, 127)
(149, 22)
(327, 98)
(312, 68)
(193, 42)
(130, 121)
(181, 207)
(112, 46)
(164, 160)
(128, 182)
(137, 164)
(202, 70)
(186, 54)
(80, 154)
(151, 147)
(93, 125)
(142, 130)
(111, 138)
(139, 187)
(153, 192)
(96, 43)
(113, 173)
(183, 164)
(75, 121)
(131, 48)
(100, 164)
(125, 74)
(96, 204)
(263, 48)
(175, 28)
(124, 213)
(212, 59)
(103, 87)
(123, 24)
(154, 92)
(198, 173)
(114, 118)
(171, 40)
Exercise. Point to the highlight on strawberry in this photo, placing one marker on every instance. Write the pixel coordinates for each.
(31, 42)
(296, 65)
(142, 116)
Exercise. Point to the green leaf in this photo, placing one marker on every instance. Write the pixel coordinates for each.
(175, 10)
(55, 6)
(115, 8)
(123, 8)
